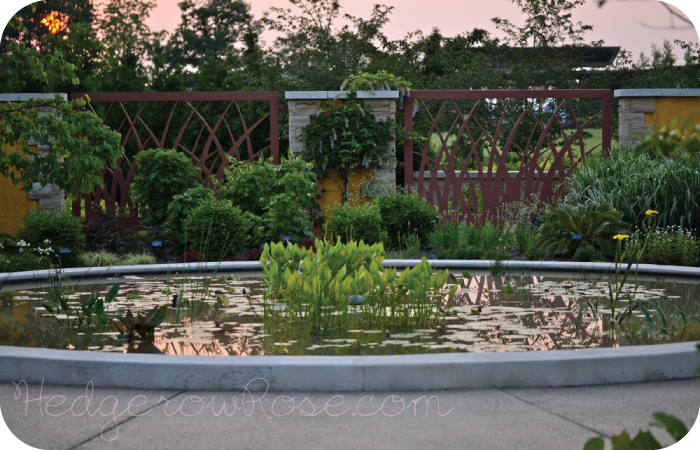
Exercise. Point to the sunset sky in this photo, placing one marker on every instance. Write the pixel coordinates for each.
(619, 22)
(631, 24)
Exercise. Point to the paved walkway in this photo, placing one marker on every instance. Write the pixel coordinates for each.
(489, 419)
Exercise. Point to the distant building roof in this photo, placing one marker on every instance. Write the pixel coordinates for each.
(587, 56)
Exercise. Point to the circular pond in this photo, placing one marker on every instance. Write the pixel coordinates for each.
(225, 314)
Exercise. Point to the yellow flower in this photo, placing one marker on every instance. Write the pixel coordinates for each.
(651, 212)
(620, 237)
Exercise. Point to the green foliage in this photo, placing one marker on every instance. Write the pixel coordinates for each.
(23, 262)
(672, 141)
(181, 206)
(586, 253)
(209, 29)
(138, 259)
(633, 185)
(525, 236)
(318, 288)
(644, 440)
(44, 229)
(404, 214)
(100, 258)
(356, 223)
(6, 298)
(78, 145)
(143, 325)
(281, 195)
(94, 306)
(380, 81)
(452, 239)
(160, 175)
(596, 223)
(671, 245)
(317, 52)
(218, 229)
(345, 137)
(106, 232)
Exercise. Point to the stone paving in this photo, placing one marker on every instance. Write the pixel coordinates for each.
(542, 418)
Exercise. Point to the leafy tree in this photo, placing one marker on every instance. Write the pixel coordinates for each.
(129, 43)
(68, 12)
(316, 54)
(209, 28)
(77, 145)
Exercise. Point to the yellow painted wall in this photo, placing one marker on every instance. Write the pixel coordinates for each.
(333, 188)
(332, 191)
(669, 108)
(14, 202)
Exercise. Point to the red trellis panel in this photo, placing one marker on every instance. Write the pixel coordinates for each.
(207, 152)
(467, 129)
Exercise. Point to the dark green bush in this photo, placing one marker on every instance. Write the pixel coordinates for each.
(22, 262)
(59, 229)
(586, 253)
(405, 214)
(355, 223)
(597, 224)
(281, 195)
(104, 232)
(218, 229)
(182, 205)
(160, 175)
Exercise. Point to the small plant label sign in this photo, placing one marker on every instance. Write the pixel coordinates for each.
(286, 239)
(576, 237)
(156, 244)
(64, 250)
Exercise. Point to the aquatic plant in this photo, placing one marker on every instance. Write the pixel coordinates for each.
(342, 285)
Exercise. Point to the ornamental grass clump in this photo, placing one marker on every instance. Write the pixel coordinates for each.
(345, 285)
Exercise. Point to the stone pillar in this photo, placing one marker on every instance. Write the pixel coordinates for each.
(642, 109)
(304, 104)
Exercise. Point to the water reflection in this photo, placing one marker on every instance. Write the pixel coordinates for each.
(518, 312)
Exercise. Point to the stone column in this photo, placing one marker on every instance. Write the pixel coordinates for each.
(642, 109)
(304, 104)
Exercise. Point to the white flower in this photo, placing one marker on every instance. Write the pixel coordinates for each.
(47, 241)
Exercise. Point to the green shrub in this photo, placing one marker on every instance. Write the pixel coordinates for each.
(403, 214)
(281, 195)
(356, 223)
(635, 184)
(182, 205)
(99, 259)
(160, 175)
(671, 245)
(43, 229)
(218, 229)
(525, 236)
(23, 262)
(597, 224)
(461, 240)
(346, 137)
(138, 259)
(586, 253)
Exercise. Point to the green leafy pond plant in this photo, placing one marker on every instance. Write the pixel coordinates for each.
(345, 285)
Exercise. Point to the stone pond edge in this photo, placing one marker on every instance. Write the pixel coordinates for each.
(556, 368)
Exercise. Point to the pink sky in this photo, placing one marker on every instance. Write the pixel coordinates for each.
(619, 23)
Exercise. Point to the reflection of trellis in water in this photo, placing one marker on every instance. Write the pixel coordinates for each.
(548, 122)
(184, 126)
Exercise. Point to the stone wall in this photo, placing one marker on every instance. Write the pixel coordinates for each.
(642, 109)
